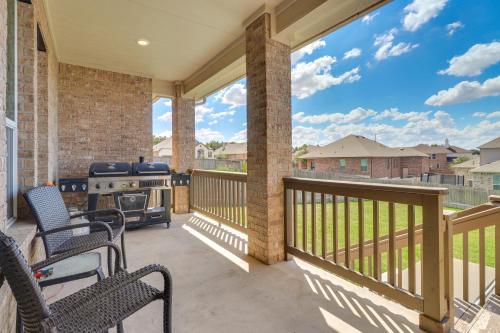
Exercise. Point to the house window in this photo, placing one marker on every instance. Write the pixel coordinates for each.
(342, 164)
(388, 163)
(433, 156)
(364, 164)
(11, 112)
(313, 165)
(210, 154)
(496, 182)
(200, 154)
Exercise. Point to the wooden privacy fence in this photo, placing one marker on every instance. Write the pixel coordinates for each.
(220, 195)
(358, 230)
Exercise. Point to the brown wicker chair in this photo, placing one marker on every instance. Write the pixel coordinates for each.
(96, 308)
(53, 221)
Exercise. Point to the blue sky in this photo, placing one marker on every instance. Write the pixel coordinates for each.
(411, 72)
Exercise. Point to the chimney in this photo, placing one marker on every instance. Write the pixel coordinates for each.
(447, 142)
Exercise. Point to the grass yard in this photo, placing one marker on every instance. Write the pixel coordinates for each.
(401, 224)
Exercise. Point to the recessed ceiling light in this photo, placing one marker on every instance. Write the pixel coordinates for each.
(143, 42)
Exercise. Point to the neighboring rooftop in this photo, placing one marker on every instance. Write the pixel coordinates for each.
(304, 150)
(359, 146)
(495, 143)
(164, 148)
(493, 167)
(469, 164)
(232, 148)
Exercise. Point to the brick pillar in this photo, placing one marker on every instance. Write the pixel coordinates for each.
(27, 104)
(183, 144)
(42, 117)
(269, 139)
(3, 106)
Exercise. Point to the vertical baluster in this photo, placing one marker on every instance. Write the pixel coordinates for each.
(233, 200)
(304, 222)
(225, 199)
(335, 231)
(210, 198)
(295, 218)
(244, 204)
(482, 268)
(376, 255)
(323, 226)
(238, 203)
(361, 229)
(202, 194)
(411, 249)
(465, 256)
(347, 233)
(392, 244)
(230, 200)
(313, 221)
(370, 266)
(400, 267)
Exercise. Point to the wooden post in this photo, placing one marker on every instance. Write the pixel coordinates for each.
(495, 200)
(435, 315)
(289, 221)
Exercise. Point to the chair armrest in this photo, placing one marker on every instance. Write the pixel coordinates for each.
(77, 226)
(80, 250)
(155, 268)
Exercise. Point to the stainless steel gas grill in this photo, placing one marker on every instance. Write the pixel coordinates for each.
(133, 187)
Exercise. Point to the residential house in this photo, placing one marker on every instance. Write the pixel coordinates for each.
(357, 155)
(235, 151)
(441, 156)
(297, 160)
(163, 150)
(490, 151)
(464, 169)
(487, 176)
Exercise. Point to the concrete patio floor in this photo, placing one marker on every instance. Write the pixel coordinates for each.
(218, 288)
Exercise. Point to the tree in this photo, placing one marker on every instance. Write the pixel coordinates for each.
(460, 159)
(214, 145)
(158, 139)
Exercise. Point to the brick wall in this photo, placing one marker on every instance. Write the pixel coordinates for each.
(42, 117)
(183, 132)
(3, 76)
(103, 116)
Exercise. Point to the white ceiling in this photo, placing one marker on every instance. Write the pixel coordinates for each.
(184, 34)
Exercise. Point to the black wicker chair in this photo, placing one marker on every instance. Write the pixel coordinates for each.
(53, 222)
(96, 308)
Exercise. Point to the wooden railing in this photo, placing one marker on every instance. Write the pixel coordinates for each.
(479, 219)
(220, 195)
(369, 233)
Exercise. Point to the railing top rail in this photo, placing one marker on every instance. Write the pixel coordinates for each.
(237, 176)
(477, 219)
(384, 192)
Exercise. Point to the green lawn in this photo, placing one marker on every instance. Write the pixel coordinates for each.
(401, 223)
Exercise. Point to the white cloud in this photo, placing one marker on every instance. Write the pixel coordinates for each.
(166, 117)
(420, 12)
(386, 47)
(355, 52)
(486, 115)
(369, 18)
(207, 135)
(240, 136)
(474, 61)
(166, 133)
(395, 114)
(355, 115)
(466, 91)
(433, 128)
(235, 95)
(307, 50)
(452, 27)
(222, 114)
(168, 102)
(201, 111)
(213, 122)
(310, 77)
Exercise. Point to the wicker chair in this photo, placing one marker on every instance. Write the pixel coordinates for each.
(96, 308)
(53, 222)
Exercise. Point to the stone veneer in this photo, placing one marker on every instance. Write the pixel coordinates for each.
(103, 116)
(269, 139)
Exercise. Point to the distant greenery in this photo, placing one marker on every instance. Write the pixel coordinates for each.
(158, 139)
(459, 160)
(214, 145)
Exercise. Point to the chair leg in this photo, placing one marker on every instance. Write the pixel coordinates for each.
(123, 250)
(167, 315)
(19, 323)
(119, 327)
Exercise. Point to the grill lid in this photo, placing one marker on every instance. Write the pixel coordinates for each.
(152, 169)
(109, 169)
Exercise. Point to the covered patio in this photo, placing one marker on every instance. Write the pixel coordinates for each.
(254, 252)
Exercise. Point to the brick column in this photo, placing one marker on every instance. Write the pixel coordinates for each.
(3, 106)
(27, 104)
(183, 144)
(42, 117)
(269, 139)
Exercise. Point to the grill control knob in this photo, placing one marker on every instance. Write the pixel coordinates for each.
(97, 186)
(111, 185)
(133, 184)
